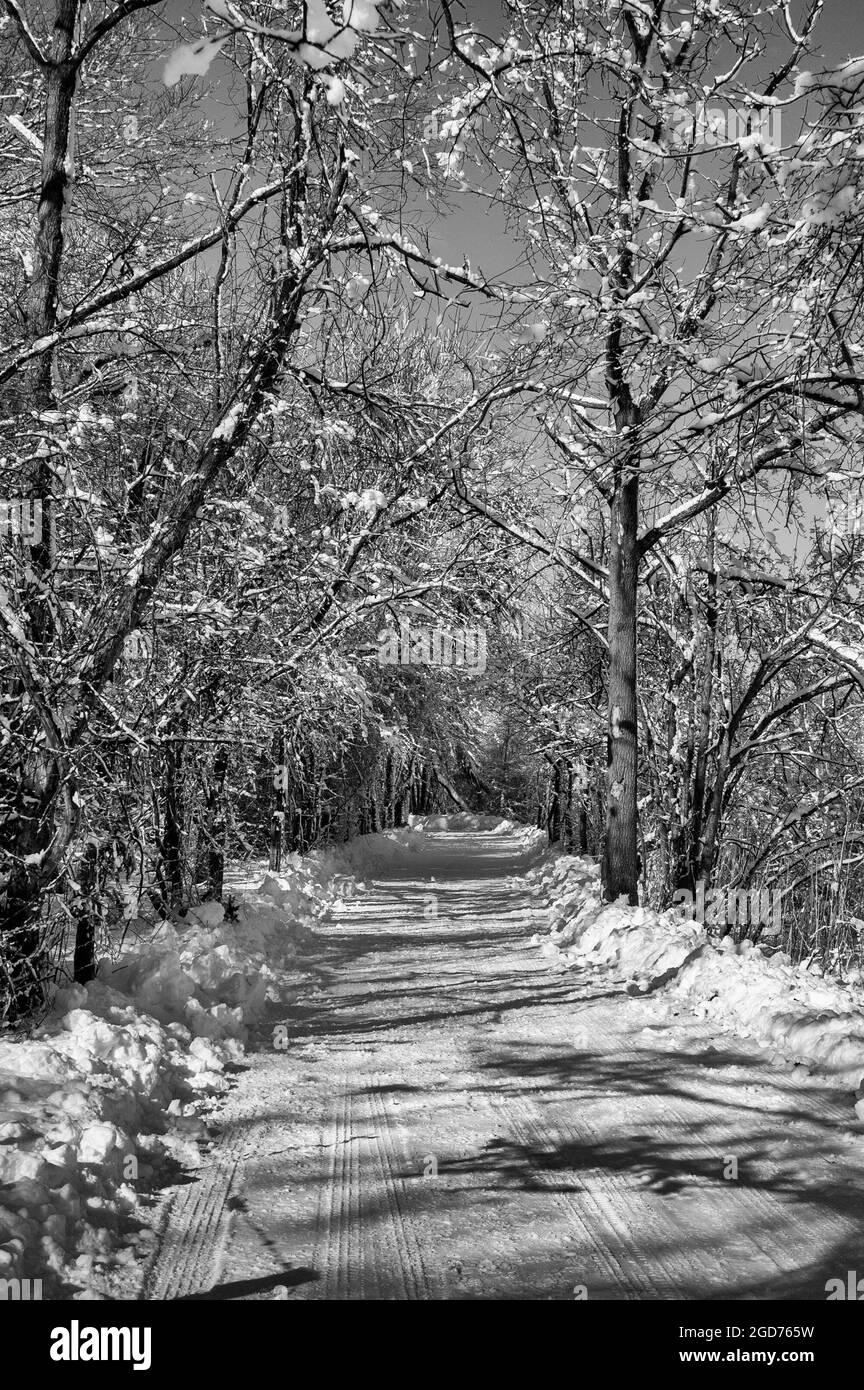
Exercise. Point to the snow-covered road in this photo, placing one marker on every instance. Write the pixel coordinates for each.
(453, 1119)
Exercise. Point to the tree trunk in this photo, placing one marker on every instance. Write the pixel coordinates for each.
(216, 825)
(172, 834)
(704, 733)
(277, 816)
(388, 791)
(711, 835)
(22, 964)
(583, 786)
(553, 826)
(84, 965)
(620, 871)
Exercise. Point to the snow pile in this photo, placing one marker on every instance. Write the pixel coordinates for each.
(212, 975)
(792, 1010)
(136, 1052)
(367, 853)
(217, 976)
(70, 1099)
(462, 821)
(645, 948)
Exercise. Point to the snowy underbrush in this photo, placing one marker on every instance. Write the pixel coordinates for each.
(795, 1011)
(138, 1052)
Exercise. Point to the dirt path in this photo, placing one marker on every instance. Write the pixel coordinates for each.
(452, 1119)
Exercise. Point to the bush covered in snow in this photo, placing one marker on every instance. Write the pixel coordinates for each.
(792, 1010)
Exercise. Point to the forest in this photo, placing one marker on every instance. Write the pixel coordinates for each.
(251, 417)
(410, 410)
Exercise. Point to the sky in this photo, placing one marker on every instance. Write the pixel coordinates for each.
(483, 236)
(472, 228)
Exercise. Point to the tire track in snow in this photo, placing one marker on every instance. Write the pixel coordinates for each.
(757, 1206)
(765, 1223)
(367, 1244)
(338, 1257)
(196, 1224)
(624, 1208)
(758, 1220)
(603, 1216)
(413, 1270)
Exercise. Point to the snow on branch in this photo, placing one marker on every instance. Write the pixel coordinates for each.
(192, 59)
(850, 657)
(25, 132)
(319, 44)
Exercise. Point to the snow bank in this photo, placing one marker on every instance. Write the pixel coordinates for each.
(135, 1053)
(466, 821)
(368, 853)
(644, 946)
(70, 1100)
(462, 821)
(792, 1010)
